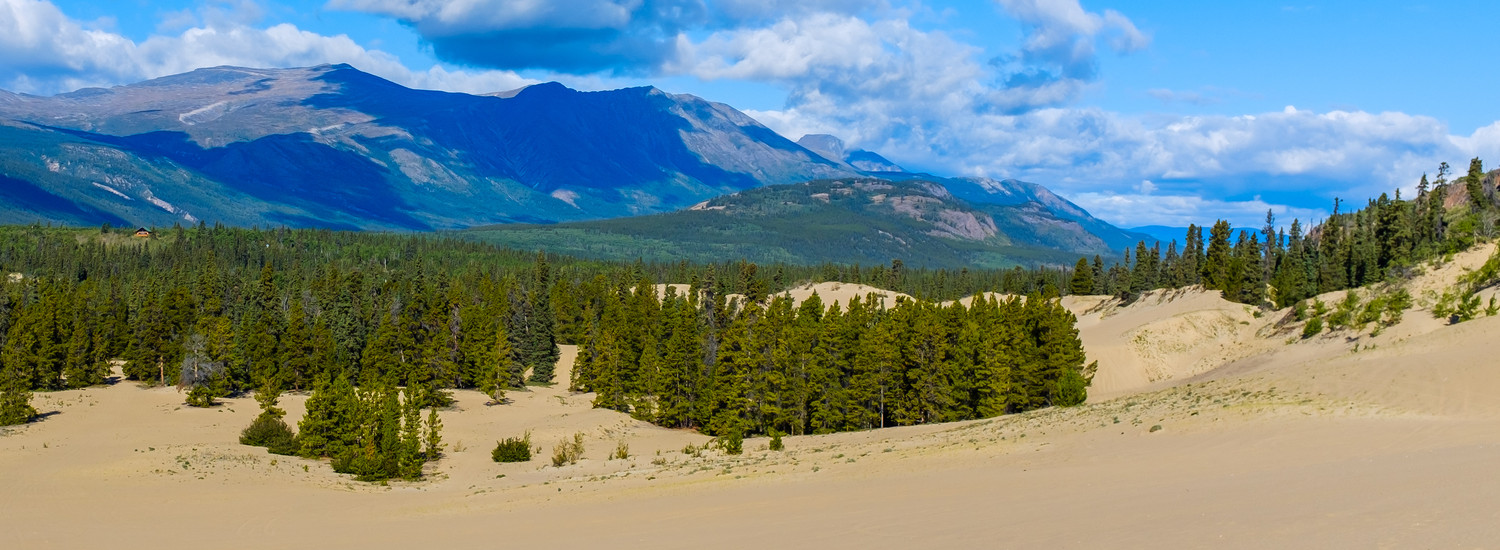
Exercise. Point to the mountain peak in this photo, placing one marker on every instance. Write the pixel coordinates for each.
(832, 148)
(825, 145)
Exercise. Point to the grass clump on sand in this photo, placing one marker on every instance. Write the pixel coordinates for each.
(568, 452)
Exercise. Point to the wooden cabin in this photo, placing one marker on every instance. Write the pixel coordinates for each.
(143, 233)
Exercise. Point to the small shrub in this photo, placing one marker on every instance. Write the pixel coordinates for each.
(568, 452)
(732, 443)
(776, 444)
(1468, 308)
(201, 396)
(622, 451)
(1343, 316)
(271, 432)
(1299, 311)
(513, 449)
(1312, 328)
(1395, 305)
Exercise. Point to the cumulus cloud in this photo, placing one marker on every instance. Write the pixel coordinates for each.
(42, 50)
(580, 36)
(563, 35)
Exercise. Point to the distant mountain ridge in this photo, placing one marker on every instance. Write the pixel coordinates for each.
(331, 146)
(853, 220)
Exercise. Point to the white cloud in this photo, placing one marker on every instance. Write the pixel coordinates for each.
(1135, 210)
(44, 51)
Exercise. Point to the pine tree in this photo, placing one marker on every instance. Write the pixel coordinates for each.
(1083, 279)
(1216, 268)
(318, 432)
(1474, 184)
(15, 392)
(540, 352)
(433, 441)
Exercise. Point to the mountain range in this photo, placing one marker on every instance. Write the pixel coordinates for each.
(331, 146)
(854, 220)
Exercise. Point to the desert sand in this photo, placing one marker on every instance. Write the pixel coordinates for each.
(1208, 426)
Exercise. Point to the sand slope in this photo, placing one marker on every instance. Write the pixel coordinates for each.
(1222, 433)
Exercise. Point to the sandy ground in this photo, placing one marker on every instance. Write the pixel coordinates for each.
(1209, 427)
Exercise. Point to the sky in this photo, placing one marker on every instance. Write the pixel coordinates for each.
(1164, 112)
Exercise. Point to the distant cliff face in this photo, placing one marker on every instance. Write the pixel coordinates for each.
(334, 146)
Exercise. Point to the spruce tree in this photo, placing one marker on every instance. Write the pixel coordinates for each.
(540, 352)
(1083, 279)
(15, 393)
(1216, 269)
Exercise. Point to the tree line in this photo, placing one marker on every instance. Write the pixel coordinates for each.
(1281, 267)
(769, 366)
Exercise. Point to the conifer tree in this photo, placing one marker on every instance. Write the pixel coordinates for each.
(1216, 268)
(1083, 279)
(1473, 183)
(540, 352)
(15, 393)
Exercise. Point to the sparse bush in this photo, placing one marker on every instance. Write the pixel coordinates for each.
(776, 444)
(1395, 305)
(622, 451)
(568, 452)
(732, 442)
(513, 449)
(201, 396)
(271, 432)
(1319, 308)
(1343, 315)
(1312, 328)
(1468, 308)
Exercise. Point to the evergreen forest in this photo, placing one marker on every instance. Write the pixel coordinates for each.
(377, 327)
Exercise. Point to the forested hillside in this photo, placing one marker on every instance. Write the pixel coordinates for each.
(865, 220)
(1383, 241)
(379, 326)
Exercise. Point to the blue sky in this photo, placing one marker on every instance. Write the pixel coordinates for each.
(1164, 112)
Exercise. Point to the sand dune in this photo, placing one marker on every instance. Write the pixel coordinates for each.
(1208, 427)
(829, 293)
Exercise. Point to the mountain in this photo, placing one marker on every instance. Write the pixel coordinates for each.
(866, 220)
(332, 146)
(832, 148)
(1162, 233)
(1025, 204)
